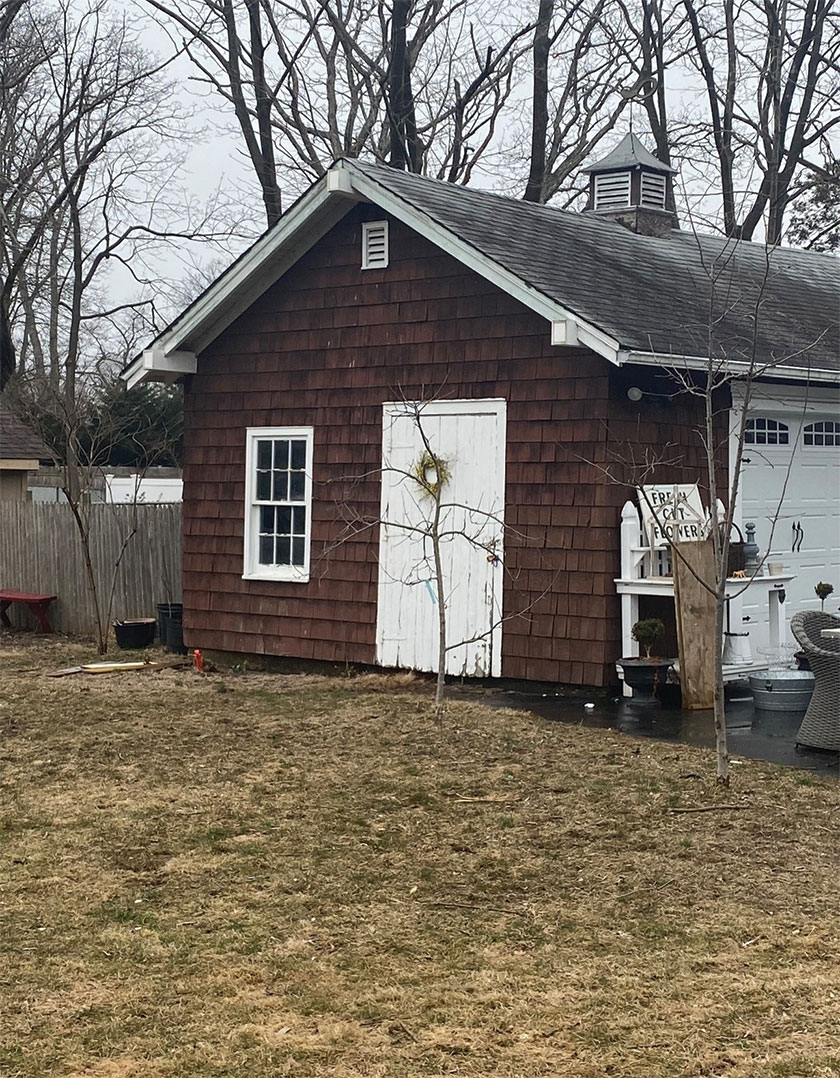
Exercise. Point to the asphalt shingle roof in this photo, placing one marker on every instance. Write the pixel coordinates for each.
(17, 441)
(653, 295)
(627, 154)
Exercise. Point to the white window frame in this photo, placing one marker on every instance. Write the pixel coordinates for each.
(252, 570)
(367, 228)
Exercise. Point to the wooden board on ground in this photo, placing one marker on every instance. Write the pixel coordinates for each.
(695, 608)
(121, 667)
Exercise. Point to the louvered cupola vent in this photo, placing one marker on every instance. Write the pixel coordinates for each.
(633, 188)
(374, 245)
(612, 190)
(653, 191)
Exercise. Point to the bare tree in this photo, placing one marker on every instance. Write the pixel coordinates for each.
(421, 86)
(433, 529)
(85, 434)
(771, 73)
(720, 427)
(582, 57)
(88, 182)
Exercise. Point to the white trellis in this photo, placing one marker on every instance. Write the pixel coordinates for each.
(646, 570)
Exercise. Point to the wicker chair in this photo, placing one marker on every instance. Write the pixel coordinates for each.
(820, 728)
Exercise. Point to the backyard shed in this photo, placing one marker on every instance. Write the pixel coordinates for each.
(537, 347)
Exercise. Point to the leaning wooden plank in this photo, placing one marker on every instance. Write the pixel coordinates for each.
(695, 610)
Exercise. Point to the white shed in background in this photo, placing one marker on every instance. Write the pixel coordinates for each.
(122, 489)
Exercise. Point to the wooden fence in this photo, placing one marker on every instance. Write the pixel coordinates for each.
(40, 551)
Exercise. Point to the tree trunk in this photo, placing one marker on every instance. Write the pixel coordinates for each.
(404, 146)
(535, 188)
(440, 684)
(266, 168)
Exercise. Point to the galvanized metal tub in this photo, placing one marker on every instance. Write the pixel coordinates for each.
(782, 690)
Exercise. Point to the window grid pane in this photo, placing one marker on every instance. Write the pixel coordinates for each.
(761, 431)
(281, 482)
(825, 433)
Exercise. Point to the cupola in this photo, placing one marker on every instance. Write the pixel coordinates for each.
(634, 188)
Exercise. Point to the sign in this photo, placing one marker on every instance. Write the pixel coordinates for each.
(673, 511)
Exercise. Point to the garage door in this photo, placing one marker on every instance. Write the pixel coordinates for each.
(791, 491)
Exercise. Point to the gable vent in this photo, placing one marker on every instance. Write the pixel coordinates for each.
(374, 245)
(611, 190)
(653, 191)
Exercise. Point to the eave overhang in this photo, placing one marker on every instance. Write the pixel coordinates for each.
(735, 367)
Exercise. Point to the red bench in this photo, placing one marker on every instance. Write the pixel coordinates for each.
(38, 604)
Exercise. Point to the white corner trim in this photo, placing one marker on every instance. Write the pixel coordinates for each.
(339, 182)
(169, 362)
(155, 365)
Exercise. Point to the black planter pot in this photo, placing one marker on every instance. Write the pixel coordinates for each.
(645, 676)
(134, 633)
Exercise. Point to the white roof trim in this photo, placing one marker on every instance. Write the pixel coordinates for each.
(733, 366)
(310, 218)
(257, 269)
(302, 226)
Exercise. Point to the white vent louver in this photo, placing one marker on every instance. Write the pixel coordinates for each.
(612, 190)
(653, 191)
(374, 245)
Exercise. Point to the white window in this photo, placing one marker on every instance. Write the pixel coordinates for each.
(278, 503)
(374, 245)
(762, 431)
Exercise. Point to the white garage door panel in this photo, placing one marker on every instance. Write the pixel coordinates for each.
(806, 536)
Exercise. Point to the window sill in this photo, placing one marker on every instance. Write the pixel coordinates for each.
(283, 578)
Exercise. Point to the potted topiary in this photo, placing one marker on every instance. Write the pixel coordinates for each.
(644, 675)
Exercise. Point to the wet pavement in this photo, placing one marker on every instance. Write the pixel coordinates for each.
(752, 733)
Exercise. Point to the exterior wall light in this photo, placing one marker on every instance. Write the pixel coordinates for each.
(634, 394)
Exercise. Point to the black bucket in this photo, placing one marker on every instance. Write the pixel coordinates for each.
(134, 633)
(165, 612)
(174, 640)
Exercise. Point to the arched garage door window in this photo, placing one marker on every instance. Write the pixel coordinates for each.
(824, 433)
(763, 431)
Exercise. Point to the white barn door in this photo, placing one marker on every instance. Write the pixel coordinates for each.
(469, 438)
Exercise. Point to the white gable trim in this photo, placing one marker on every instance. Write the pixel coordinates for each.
(297, 231)
(247, 279)
(587, 334)
(173, 353)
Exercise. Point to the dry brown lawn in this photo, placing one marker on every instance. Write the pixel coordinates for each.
(253, 875)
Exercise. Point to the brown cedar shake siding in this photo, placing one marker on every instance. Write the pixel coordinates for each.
(326, 346)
